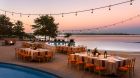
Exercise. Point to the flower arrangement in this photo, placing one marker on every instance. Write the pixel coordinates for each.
(95, 51)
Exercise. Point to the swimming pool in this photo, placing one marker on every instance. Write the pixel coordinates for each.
(16, 71)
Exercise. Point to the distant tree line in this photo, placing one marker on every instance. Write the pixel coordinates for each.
(44, 26)
(9, 29)
(100, 34)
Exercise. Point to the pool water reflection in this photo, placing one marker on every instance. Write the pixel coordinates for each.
(16, 71)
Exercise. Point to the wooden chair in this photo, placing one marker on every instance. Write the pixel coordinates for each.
(49, 56)
(131, 65)
(89, 64)
(21, 54)
(37, 56)
(70, 51)
(78, 50)
(99, 68)
(73, 50)
(71, 60)
(83, 49)
(28, 56)
(58, 49)
(79, 62)
(17, 50)
(40, 45)
(65, 50)
(123, 70)
(61, 49)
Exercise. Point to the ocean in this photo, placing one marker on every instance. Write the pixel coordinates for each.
(125, 43)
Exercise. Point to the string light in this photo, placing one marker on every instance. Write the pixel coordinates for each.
(62, 15)
(109, 7)
(114, 24)
(20, 15)
(101, 27)
(131, 2)
(91, 10)
(28, 15)
(12, 13)
(5, 12)
(76, 12)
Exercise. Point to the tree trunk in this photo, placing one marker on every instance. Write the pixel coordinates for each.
(45, 37)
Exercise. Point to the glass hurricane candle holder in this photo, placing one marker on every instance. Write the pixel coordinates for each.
(105, 54)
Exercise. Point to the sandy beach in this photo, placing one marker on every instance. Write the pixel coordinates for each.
(59, 65)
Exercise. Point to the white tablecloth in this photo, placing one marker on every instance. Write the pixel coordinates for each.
(111, 62)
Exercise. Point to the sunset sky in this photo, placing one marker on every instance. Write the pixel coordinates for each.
(83, 20)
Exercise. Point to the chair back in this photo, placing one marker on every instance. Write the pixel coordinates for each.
(133, 62)
(79, 58)
(88, 60)
(99, 63)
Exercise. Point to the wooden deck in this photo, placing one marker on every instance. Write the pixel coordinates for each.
(58, 66)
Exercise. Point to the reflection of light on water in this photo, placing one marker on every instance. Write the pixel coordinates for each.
(114, 46)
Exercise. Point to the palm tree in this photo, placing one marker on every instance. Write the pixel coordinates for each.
(45, 26)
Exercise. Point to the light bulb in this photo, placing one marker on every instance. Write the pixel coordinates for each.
(62, 15)
(109, 7)
(12, 13)
(75, 13)
(92, 11)
(20, 15)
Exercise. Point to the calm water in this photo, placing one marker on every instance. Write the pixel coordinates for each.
(127, 43)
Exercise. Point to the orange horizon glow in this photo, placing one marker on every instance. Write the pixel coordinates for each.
(83, 20)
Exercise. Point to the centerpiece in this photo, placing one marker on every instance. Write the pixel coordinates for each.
(95, 52)
(88, 52)
(105, 54)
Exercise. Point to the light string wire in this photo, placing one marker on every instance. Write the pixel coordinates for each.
(106, 26)
(96, 28)
(74, 12)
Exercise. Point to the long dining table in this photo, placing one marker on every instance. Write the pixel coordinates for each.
(31, 52)
(111, 63)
